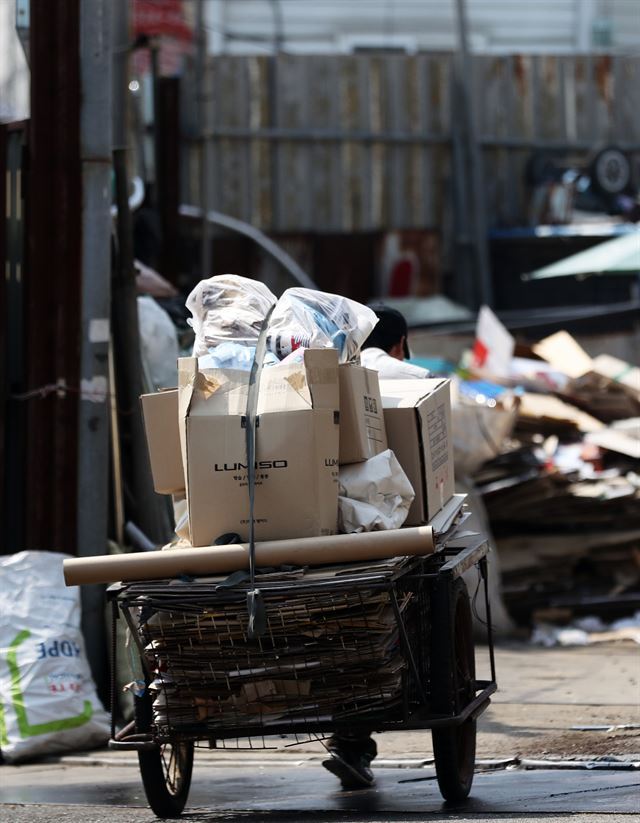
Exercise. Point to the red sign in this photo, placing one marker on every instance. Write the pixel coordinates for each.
(157, 18)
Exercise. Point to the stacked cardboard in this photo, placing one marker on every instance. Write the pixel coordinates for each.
(564, 496)
(313, 416)
(332, 649)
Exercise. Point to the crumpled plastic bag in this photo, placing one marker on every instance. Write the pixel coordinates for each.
(227, 308)
(480, 425)
(373, 495)
(158, 343)
(305, 318)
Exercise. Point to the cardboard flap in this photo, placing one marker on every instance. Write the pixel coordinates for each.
(311, 384)
(187, 373)
(322, 377)
(565, 354)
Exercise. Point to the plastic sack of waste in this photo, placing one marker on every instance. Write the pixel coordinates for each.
(48, 701)
(226, 308)
(305, 318)
(373, 495)
(480, 423)
(233, 356)
(158, 343)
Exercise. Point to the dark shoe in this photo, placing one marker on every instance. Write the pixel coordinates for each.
(353, 773)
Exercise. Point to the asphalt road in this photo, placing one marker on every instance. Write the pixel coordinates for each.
(544, 695)
(89, 814)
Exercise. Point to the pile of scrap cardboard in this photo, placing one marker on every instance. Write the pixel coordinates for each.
(564, 496)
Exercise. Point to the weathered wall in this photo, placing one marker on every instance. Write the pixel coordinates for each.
(368, 142)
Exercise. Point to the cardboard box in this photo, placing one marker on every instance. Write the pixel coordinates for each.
(160, 415)
(417, 416)
(297, 442)
(362, 429)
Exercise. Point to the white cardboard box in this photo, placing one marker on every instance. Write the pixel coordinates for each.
(417, 415)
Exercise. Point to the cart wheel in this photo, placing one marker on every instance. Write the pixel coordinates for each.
(453, 674)
(166, 772)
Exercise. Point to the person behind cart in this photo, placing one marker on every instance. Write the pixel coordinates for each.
(385, 351)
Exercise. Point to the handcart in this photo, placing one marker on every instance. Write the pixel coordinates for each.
(381, 646)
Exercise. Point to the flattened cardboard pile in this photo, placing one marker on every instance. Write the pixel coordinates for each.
(564, 496)
(331, 651)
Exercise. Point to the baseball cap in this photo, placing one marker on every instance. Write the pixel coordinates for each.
(391, 326)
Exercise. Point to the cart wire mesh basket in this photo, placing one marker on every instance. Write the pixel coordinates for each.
(343, 647)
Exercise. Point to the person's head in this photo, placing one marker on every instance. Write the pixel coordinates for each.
(389, 333)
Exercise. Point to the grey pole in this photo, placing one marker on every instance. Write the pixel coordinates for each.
(205, 165)
(151, 513)
(93, 408)
(474, 165)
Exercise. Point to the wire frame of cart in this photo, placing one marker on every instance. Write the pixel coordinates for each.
(375, 647)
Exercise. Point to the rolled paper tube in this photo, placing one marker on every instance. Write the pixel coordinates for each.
(309, 551)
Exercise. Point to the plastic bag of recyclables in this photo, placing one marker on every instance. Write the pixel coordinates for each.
(227, 308)
(481, 423)
(309, 319)
(228, 312)
(48, 701)
(373, 495)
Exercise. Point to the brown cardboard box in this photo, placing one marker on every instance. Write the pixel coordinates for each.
(362, 430)
(160, 414)
(417, 415)
(297, 440)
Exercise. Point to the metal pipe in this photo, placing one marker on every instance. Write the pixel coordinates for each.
(326, 135)
(93, 412)
(150, 513)
(474, 166)
(271, 248)
(205, 171)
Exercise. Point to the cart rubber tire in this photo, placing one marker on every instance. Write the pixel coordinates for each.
(166, 772)
(453, 687)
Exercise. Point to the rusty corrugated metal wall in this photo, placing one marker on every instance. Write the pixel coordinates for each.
(365, 142)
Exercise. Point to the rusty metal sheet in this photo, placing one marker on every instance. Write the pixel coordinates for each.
(602, 94)
(550, 122)
(346, 142)
(582, 68)
(260, 161)
(230, 110)
(378, 155)
(292, 106)
(396, 89)
(354, 117)
(627, 97)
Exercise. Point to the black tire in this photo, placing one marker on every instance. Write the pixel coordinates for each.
(453, 675)
(610, 171)
(166, 771)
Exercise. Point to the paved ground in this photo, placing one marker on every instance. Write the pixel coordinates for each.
(543, 695)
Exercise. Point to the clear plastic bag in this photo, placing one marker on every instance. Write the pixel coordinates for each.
(233, 356)
(227, 308)
(305, 318)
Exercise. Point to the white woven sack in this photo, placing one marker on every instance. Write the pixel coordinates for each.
(48, 701)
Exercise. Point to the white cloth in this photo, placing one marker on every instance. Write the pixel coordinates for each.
(390, 368)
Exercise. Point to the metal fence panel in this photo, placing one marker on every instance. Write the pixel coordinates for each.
(344, 143)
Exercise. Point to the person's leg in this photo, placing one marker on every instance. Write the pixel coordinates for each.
(351, 756)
